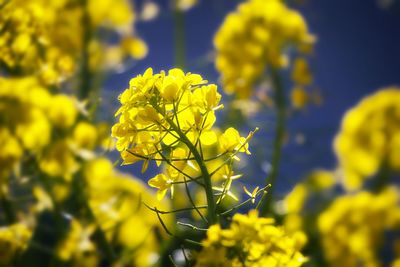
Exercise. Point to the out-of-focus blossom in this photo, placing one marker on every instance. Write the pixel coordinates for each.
(116, 200)
(352, 228)
(150, 10)
(13, 240)
(184, 5)
(299, 97)
(296, 203)
(47, 37)
(255, 37)
(369, 138)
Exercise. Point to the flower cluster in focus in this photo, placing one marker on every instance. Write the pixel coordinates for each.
(169, 117)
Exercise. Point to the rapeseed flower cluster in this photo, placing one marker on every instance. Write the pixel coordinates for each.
(369, 139)
(352, 229)
(47, 37)
(169, 118)
(258, 36)
(29, 117)
(36, 123)
(250, 241)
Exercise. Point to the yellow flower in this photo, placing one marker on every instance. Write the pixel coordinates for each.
(369, 137)
(85, 135)
(77, 242)
(230, 140)
(255, 37)
(252, 194)
(10, 153)
(299, 97)
(352, 228)
(135, 47)
(13, 240)
(301, 74)
(117, 203)
(162, 183)
(59, 160)
(47, 38)
(168, 118)
(62, 111)
(249, 241)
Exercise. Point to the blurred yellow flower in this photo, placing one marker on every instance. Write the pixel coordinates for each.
(369, 138)
(85, 135)
(58, 160)
(299, 98)
(301, 74)
(352, 228)
(254, 38)
(117, 203)
(13, 240)
(47, 37)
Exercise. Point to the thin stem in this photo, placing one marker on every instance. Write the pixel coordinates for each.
(212, 218)
(280, 105)
(173, 211)
(179, 37)
(193, 227)
(81, 196)
(7, 207)
(85, 74)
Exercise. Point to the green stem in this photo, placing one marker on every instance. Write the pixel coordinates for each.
(85, 74)
(212, 218)
(211, 207)
(179, 37)
(7, 206)
(82, 202)
(280, 105)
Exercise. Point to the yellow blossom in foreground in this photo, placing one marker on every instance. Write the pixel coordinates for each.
(369, 138)
(168, 118)
(353, 227)
(249, 241)
(255, 37)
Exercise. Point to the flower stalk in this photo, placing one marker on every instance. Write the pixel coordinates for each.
(280, 105)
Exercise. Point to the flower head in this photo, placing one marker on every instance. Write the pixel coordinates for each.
(255, 37)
